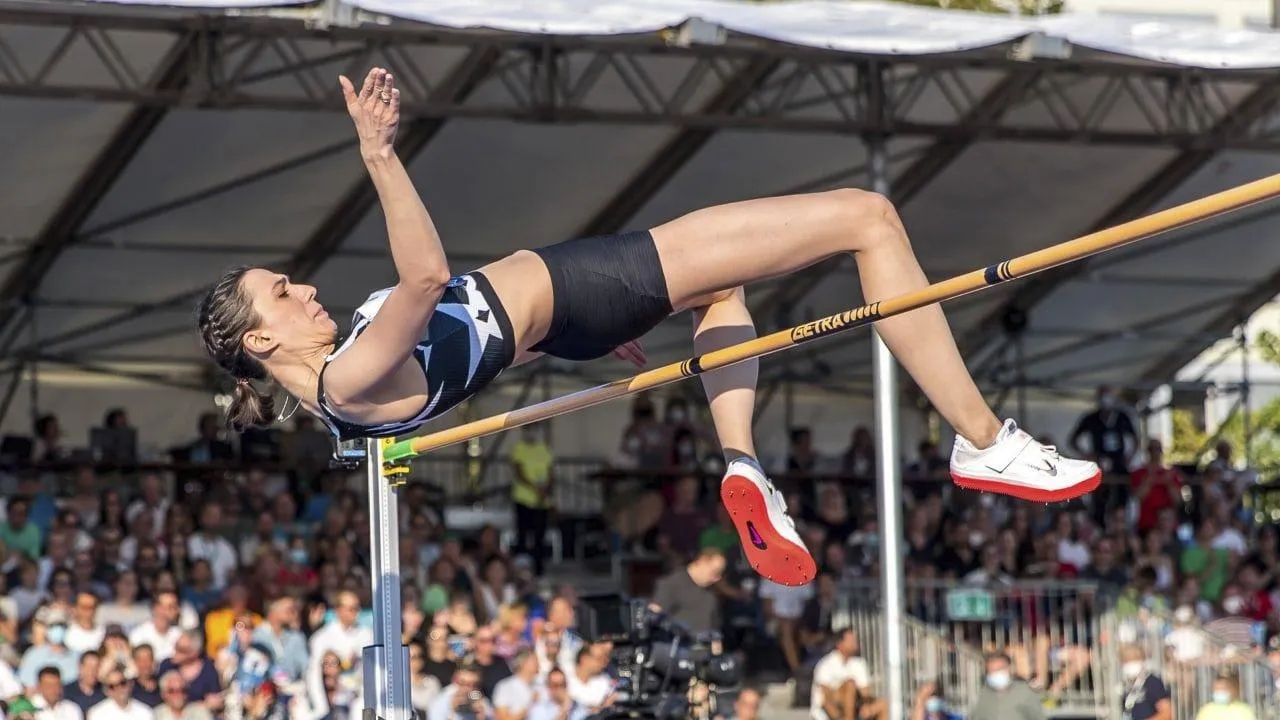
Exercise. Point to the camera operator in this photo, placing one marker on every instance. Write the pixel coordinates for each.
(461, 699)
(686, 596)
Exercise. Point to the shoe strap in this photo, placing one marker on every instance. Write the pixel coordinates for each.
(1000, 457)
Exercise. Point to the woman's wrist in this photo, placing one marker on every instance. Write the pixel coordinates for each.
(378, 154)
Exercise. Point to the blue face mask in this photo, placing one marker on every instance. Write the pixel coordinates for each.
(299, 556)
(57, 634)
(1222, 697)
(933, 704)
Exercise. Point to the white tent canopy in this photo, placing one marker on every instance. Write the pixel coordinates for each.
(135, 180)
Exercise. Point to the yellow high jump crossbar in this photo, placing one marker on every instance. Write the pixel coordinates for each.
(1140, 229)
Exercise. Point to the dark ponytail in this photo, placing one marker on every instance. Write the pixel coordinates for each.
(249, 408)
(223, 317)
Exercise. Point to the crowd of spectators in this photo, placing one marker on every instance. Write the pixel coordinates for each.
(215, 593)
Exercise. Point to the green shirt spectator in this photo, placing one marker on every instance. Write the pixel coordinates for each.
(18, 532)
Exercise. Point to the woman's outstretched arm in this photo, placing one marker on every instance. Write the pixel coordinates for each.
(415, 247)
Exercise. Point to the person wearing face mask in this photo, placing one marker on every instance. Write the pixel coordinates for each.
(1225, 703)
(1004, 697)
(51, 652)
(1146, 697)
(1236, 629)
(533, 464)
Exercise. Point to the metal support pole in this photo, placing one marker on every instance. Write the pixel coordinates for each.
(386, 663)
(1246, 407)
(889, 497)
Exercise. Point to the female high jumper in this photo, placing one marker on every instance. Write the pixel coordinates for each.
(418, 349)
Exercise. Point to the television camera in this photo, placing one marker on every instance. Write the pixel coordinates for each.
(665, 671)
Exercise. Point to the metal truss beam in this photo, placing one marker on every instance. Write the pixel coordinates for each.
(171, 76)
(1003, 97)
(361, 197)
(253, 62)
(1251, 111)
(676, 153)
(1219, 326)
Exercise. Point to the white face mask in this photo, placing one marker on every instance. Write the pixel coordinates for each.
(1184, 615)
(998, 680)
(1133, 669)
(1233, 605)
(1222, 697)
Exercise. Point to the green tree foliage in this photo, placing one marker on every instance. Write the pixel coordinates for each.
(1264, 425)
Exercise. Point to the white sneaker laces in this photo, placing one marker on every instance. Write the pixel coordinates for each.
(782, 503)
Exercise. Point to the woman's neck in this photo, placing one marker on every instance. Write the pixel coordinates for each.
(300, 375)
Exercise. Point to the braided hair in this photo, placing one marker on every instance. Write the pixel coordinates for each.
(223, 317)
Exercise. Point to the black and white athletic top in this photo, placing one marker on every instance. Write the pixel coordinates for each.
(468, 343)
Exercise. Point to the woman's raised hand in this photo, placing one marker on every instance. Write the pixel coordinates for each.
(375, 110)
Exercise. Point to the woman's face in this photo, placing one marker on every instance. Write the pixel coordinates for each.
(495, 572)
(288, 314)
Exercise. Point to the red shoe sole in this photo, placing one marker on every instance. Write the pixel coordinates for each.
(773, 556)
(1022, 492)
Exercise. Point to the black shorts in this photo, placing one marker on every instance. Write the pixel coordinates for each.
(607, 290)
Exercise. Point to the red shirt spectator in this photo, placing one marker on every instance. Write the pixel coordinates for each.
(1155, 486)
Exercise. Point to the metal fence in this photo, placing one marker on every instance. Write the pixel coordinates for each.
(1064, 637)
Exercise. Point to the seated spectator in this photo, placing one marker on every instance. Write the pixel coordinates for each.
(1210, 564)
(685, 594)
(29, 594)
(1004, 696)
(859, 460)
(988, 571)
(485, 660)
(685, 519)
(48, 648)
(587, 682)
(161, 631)
(48, 698)
(218, 623)
(17, 531)
(280, 633)
(1225, 703)
(746, 706)
(85, 691)
(153, 503)
(199, 592)
(177, 703)
(343, 637)
(125, 607)
(460, 695)
(842, 684)
(816, 630)
(119, 703)
(494, 590)
(512, 630)
(195, 671)
(85, 632)
(1233, 627)
(440, 662)
(513, 696)
(556, 703)
(425, 686)
(146, 686)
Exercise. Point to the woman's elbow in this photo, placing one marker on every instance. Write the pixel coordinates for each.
(429, 282)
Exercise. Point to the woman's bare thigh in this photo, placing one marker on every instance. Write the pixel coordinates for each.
(523, 286)
(722, 247)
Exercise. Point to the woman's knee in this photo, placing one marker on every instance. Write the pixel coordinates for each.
(872, 214)
(734, 294)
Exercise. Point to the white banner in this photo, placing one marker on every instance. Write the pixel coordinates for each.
(860, 27)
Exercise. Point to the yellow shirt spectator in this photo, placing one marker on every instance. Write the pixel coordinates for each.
(1226, 711)
(217, 628)
(532, 460)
